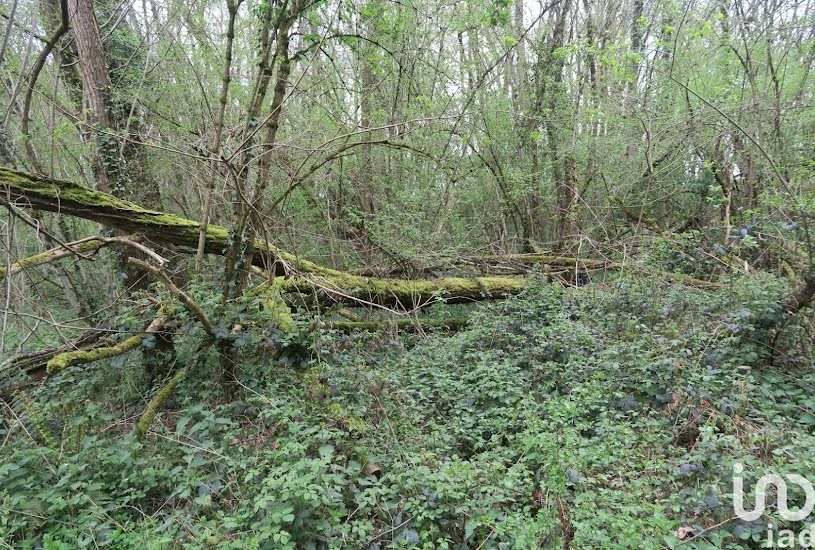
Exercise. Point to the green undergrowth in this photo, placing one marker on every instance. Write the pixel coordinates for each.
(609, 416)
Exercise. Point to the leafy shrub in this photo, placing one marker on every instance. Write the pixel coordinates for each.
(609, 415)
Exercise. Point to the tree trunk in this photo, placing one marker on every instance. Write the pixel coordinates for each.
(73, 199)
(215, 150)
(96, 86)
(559, 129)
(249, 225)
(802, 296)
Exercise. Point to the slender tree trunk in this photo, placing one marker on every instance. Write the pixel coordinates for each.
(250, 210)
(365, 195)
(215, 149)
(96, 86)
(559, 133)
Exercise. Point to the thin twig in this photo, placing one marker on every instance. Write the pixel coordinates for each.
(177, 292)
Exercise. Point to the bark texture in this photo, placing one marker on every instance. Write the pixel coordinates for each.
(82, 249)
(96, 86)
(802, 296)
(294, 273)
(73, 199)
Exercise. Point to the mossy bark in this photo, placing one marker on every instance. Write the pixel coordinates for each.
(76, 200)
(338, 287)
(33, 361)
(80, 357)
(149, 414)
(400, 324)
(24, 370)
(274, 303)
(86, 246)
(49, 256)
(330, 284)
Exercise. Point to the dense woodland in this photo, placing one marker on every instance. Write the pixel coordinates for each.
(404, 274)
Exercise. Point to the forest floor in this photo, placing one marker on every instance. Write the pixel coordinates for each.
(605, 416)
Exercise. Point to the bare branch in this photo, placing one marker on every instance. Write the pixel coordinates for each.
(177, 292)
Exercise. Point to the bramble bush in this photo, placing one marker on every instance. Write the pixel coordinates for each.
(609, 415)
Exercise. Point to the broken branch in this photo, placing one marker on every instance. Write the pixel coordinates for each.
(177, 292)
(88, 245)
(80, 357)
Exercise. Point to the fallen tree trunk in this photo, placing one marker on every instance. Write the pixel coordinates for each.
(77, 249)
(69, 198)
(332, 285)
(344, 288)
(23, 370)
(50, 256)
(503, 263)
(552, 260)
(149, 414)
(80, 357)
(65, 197)
(33, 363)
(75, 200)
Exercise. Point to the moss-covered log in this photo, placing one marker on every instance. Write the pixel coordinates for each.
(70, 198)
(338, 287)
(50, 256)
(76, 200)
(348, 314)
(331, 285)
(149, 414)
(27, 368)
(555, 266)
(496, 263)
(400, 324)
(80, 357)
(83, 247)
(551, 260)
